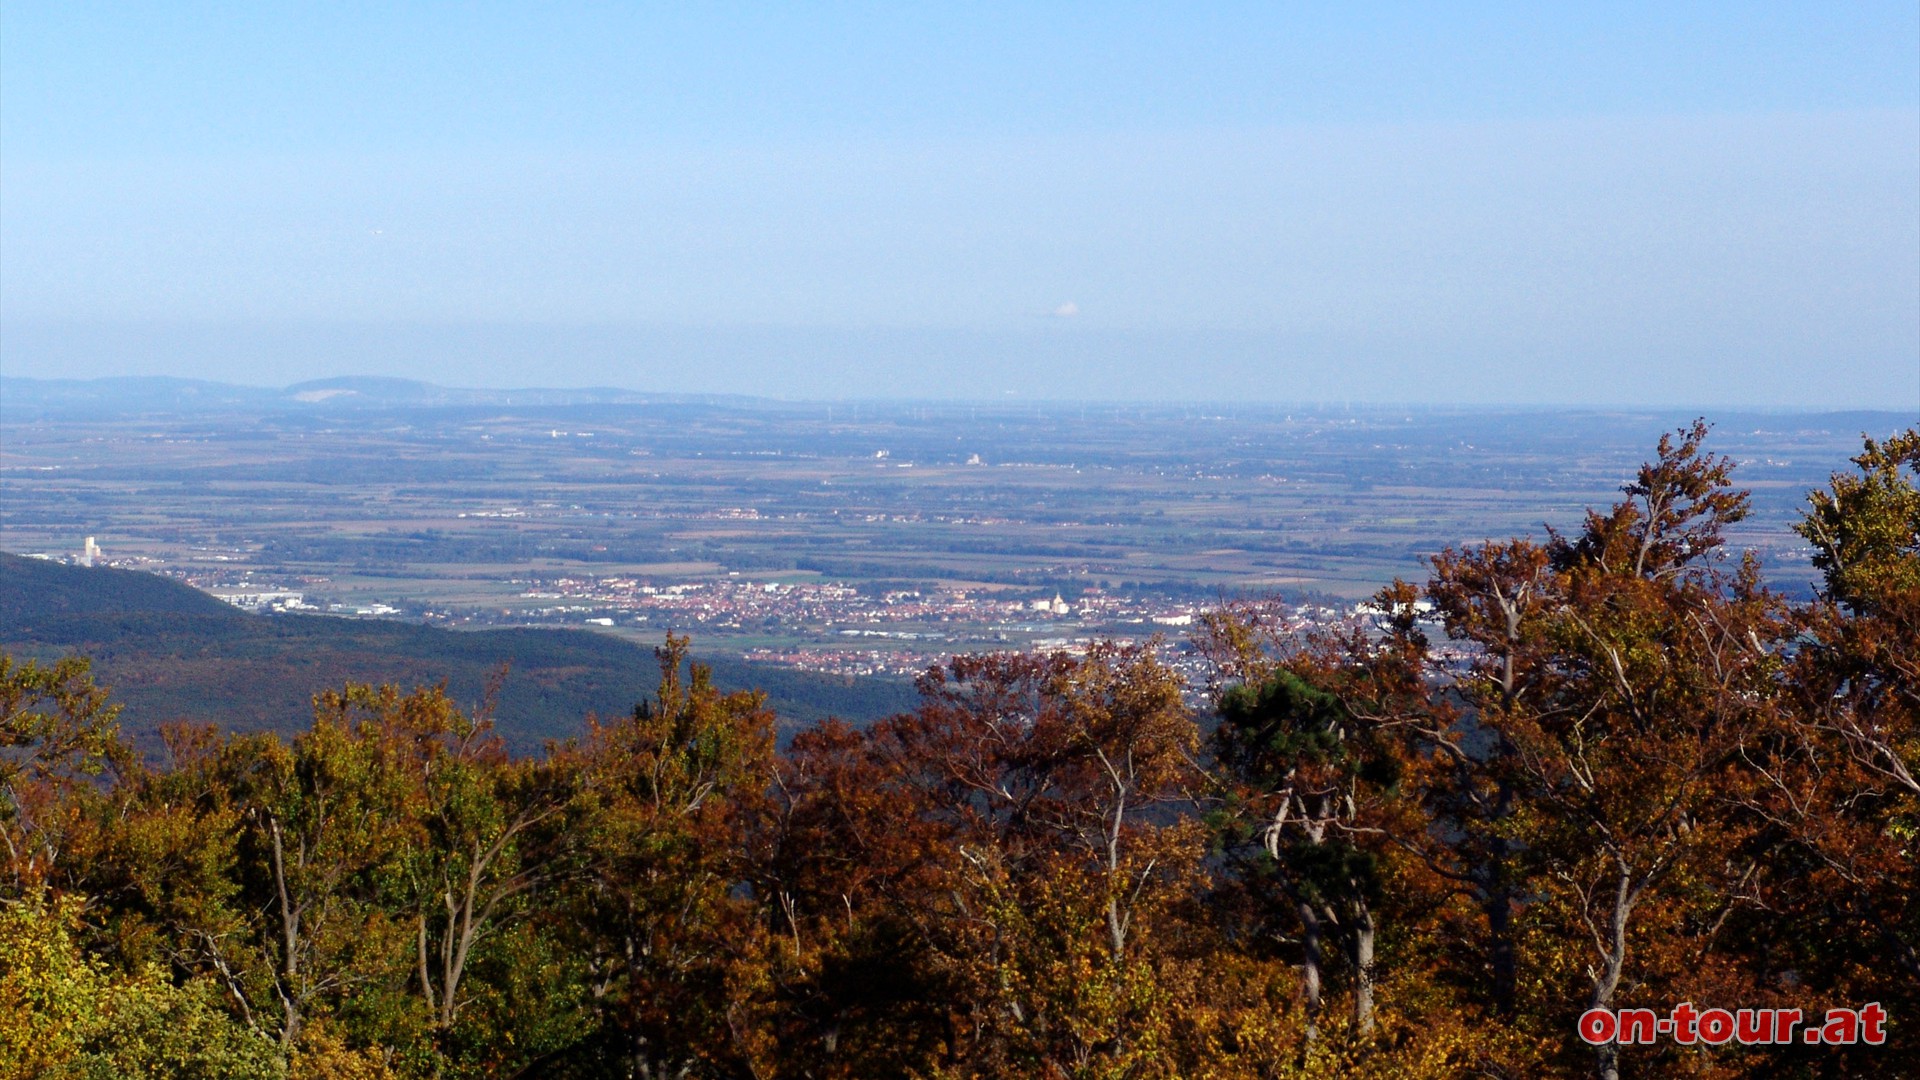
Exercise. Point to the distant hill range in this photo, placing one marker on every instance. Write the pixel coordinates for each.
(25, 398)
(171, 652)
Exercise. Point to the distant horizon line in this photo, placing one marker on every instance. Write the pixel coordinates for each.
(1009, 398)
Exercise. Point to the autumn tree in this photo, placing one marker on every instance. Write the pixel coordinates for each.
(674, 950)
(850, 882)
(1051, 782)
(354, 878)
(1019, 845)
(57, 733)
(1658, 671)
(1496, 601)
(65, 1015)
(1837, 793)
(486, 833)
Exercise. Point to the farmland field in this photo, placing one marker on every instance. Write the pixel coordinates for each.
(768, 527)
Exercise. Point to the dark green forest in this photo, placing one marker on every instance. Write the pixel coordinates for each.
(1605, 769)
(171, 652)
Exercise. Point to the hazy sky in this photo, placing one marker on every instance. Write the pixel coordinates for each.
(1653, 204)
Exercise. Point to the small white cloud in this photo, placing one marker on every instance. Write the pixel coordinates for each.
(1066, 311)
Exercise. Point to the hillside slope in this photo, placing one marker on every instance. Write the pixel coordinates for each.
(171, 652)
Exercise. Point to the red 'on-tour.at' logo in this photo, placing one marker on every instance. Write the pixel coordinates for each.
(1686, 1026)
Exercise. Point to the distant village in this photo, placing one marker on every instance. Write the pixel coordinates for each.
(894, 632)
(853, 631)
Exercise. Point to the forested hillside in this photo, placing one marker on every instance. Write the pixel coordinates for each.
(173, 653)
(1557, 779)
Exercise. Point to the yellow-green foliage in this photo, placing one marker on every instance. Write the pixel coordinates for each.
(1866, 530)
(64, 1016)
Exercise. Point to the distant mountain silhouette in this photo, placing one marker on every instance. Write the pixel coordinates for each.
(171, 652)
(23, 398)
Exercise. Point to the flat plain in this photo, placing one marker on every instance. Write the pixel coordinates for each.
(805, 531)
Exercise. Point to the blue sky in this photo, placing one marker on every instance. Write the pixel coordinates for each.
(1638, 204)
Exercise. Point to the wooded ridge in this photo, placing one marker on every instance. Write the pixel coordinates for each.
(171, 652)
